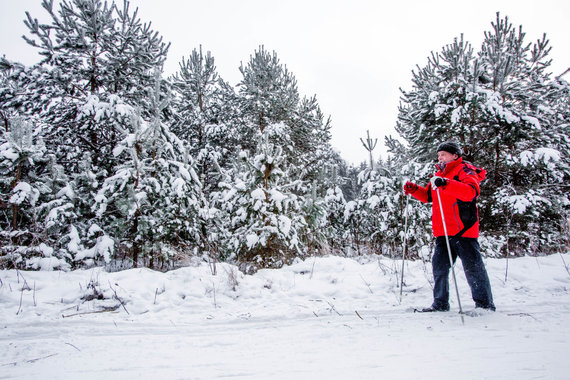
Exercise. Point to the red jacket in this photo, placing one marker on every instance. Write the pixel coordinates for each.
(458, 199)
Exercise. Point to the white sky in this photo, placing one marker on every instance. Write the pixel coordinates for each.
(354, 55)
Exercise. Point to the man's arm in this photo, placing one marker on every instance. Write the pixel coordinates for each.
(465, 189)
(422, 194)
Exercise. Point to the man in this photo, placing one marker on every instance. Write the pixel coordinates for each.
(458, 184)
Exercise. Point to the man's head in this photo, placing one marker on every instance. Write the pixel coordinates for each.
(448, 151)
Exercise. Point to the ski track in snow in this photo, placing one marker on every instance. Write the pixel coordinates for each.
(322, 318)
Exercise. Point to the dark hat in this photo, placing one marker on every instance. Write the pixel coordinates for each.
(451, 147)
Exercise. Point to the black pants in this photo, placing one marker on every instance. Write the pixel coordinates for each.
(468, 250)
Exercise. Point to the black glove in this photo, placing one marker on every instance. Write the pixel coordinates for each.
(438, 182)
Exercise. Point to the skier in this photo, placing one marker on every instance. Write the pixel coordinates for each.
(458, 184)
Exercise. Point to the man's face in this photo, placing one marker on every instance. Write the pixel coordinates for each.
(444, 157)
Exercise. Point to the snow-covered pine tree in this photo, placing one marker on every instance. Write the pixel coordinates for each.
(199, 114)
(98, 64)
(434, 109)
(151, 202)
(375, 217)
(21, 150)
(268, 90)
(263, 215)
(268, 94)
(310, 148)
(195, 85)
(333, 225)
(93, 51)
(81, 238)
(28, 179)
(523, 117)
(205, 113)
(9, 89)
(321, 205)
(132, 53)
(500, 105)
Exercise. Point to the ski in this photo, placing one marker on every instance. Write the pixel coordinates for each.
(478, 312)
(427, 310)
(470, 313)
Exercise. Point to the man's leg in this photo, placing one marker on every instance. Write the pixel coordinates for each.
(469, 251)
(440, 265)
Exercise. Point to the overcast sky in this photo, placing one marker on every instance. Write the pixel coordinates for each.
(354, 55)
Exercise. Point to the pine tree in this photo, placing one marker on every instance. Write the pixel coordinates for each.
(22, 153)
(333, 225)
(195, 84)
(93, 52)
(500, 105)
(263, 215)
(199, 104)
(268, 90)
(98, 63)
(28, 181)
(268, 94)
(152, 200)
(310, 148)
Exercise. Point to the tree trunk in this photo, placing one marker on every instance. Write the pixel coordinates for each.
(16, 208)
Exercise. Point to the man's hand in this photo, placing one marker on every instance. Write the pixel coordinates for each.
(438, 182)
(410, 188)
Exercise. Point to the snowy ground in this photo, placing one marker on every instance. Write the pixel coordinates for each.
(323, 318)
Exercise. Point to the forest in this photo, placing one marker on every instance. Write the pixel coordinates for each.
(105, 161)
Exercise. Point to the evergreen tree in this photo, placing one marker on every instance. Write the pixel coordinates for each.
(501, 105)
(200, 105)
(264, 218)
(195, 84)
(27, 181)
(333, 225)
(90, 91)
(93, 52)
(268, 90)
(9, 90)
(268, 94)
(152, 200)
(310, 148)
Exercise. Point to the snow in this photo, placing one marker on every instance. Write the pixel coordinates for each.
(456, 115)
(179, 187)
(284, 224)
(7, 152)
(94, 229)
(322, 318)
(440, 109)
(277, 196)
(67, 191)
(54, 213)
(373, 201)
(546, 155)
(258, 194)
(533, 121)
(433, 96)
(519, 203)
(104, 247)
(494, 106)
(20, 192)
(251, 240)
(74, 240)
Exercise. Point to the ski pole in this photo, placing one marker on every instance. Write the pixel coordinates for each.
(449, 253)
(405, 245)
